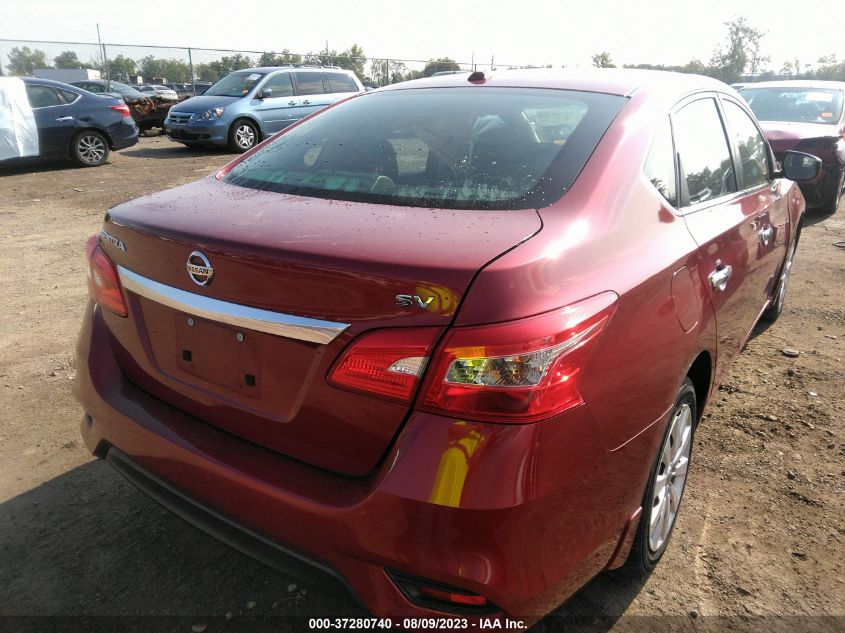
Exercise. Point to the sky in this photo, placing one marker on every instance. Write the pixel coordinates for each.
(514, 32)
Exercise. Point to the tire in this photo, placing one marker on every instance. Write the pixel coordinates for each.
(674, 457)
(243, 136)
(776, 308)
(833, 197)
(89, 148)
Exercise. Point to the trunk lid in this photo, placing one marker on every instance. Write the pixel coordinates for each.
(310, 260)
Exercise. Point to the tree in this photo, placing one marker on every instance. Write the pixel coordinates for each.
(212, 71)
(742, 51)
(22, 60)
(123, 69)
(286, 58)
(170, 69)
(602, 60)
(439, 65)
(68, 59)
(353, 59)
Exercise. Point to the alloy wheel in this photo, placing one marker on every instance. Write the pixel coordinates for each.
(91, 148)
(244, 136)
(670, 478)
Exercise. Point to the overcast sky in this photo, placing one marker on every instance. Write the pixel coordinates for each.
(515, 31)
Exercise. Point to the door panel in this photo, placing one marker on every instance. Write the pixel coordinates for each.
(309, 86)
(55, 121)
(282, 107)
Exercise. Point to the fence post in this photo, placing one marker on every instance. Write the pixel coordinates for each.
(191, 67)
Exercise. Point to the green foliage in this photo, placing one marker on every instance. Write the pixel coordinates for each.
(741, 51)
(168, 69)
(212, 71)
(602, 60)
(285, 58)
(68, 59)
(353, 58)
(23, 60)
(122, 68)
(439, 65)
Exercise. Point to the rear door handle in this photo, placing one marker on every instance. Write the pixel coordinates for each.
(306, 102)
(719, 277)
(291, 103)
(766, 234)
(64, 118)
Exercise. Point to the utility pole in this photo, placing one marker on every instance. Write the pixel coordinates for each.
(105, 59)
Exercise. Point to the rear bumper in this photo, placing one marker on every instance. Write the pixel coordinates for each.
(124, 134)
(523, 515)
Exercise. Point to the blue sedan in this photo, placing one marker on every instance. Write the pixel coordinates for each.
(46, 119)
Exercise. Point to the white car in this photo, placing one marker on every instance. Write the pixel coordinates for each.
(160, 91)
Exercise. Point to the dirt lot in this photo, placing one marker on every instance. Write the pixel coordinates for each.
(759, 543)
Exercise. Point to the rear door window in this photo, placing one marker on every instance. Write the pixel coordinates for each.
(339, 82)
(497, 148)
(309, 83)
(705, 157)
(42, 96)
(752, 147)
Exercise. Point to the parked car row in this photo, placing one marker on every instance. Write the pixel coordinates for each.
(446, 344)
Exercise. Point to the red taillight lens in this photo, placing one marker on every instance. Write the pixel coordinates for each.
(122, 108)
(386, 363)
(103, 282)
(519, 371)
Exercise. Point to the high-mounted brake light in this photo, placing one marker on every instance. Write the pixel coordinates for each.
(519, 371)
(103, 282)
(386, 363)
(122, 108)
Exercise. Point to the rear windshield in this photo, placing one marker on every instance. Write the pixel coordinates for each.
(234, 85)
(465, 148)
(795, 105)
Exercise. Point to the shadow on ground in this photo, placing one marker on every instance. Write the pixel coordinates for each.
(181, 151)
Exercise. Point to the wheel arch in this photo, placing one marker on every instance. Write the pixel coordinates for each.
(89, 128)
(700, 373)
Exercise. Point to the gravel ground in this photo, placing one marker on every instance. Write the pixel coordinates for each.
(758, 546)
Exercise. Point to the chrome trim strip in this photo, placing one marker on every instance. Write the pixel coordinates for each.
(277, 323)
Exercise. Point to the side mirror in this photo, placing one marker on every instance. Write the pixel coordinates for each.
(799, 166)
(266, 93)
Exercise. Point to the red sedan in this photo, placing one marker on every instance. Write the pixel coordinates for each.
(443, 344)
(808, 116)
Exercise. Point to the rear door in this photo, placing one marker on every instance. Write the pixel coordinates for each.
(339, 84)
(725, 222)
(309, 86)
(54, 117)
(282, 107)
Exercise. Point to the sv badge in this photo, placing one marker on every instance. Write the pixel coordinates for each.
(408, 301)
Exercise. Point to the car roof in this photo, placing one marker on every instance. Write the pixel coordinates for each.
(50, 82)
(269, 69)
(623, 82)
(818, 84)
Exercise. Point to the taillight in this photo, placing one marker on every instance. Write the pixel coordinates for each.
(122, 108)
(518, 371)
(386, 363)
(103, 282)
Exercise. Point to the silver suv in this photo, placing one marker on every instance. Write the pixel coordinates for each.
(249, 105)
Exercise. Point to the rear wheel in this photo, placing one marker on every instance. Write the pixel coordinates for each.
(243, 135)
(666, 483)
(776, 307)
(89, 148)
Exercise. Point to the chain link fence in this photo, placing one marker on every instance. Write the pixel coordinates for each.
(137, 64)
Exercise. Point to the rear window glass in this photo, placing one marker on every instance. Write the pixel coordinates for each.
(489, 148)
(796, 105)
